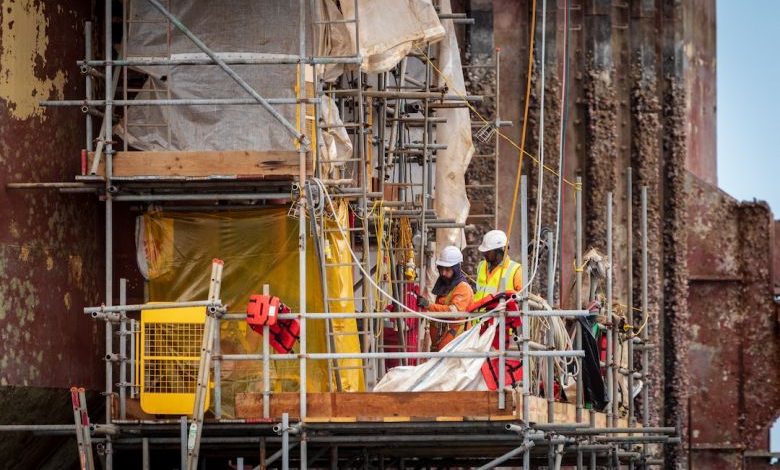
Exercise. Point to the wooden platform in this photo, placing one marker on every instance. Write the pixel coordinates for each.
(240, 164)
(407, 406)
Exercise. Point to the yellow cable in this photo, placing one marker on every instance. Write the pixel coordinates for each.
(525, 120)
(482, 118)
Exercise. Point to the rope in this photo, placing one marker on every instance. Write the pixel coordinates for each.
(370, 279)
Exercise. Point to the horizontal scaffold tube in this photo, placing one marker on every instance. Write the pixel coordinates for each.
(152, 306)
(396, 355)
(442, 315)
(229, 59)
(179, 102)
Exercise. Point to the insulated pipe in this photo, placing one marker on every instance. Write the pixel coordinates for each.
(304, 141)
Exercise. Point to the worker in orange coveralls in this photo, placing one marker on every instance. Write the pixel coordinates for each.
(453, 294)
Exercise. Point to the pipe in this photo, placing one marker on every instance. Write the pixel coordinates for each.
(612, 406)
(524, 309)
(123, 352)
(382, 315)
(630, 289)
(285, 441)
(523, 449)
(645, 313)
(201, 197)
(397, 355)
(304, 141)
(227, 58)
(150, 306)
(90, 103)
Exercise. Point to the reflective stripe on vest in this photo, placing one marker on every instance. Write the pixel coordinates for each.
(497, 283)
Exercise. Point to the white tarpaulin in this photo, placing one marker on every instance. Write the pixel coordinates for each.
(444, 374)
(390, 30)
(231, 28)
(450, 197)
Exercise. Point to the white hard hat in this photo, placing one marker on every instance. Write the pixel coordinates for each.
(493, 240)
(449, 256)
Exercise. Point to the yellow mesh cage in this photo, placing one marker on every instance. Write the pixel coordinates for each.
(170, 354)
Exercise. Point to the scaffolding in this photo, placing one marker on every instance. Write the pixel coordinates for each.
(391, 120)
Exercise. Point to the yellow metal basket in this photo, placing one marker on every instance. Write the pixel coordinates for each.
(169, 358)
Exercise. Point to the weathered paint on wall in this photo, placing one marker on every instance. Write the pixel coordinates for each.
(24, 77)
(50, 243)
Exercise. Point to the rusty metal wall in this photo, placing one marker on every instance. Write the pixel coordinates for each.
(735, 342)
(50, 243)
(642, 94)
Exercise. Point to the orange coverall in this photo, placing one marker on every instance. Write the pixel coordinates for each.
(458, 300)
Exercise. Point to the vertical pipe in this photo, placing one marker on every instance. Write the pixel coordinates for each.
(109, 253)
(495, 153)
(285, 441)
(217, 360)
(240, 463)
(578, 303)
(612, 408)
(132, 358)
(183, 445)
(266, 364)
(145, 453)
(123, 351)
(592, 465)
(302, 224)
(549, 381)
(88, 82)
(425, 188)
(364, 177)
(525, 327)
(645, 332)
(630, 290)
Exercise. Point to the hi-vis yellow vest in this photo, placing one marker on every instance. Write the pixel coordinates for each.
(501, 280)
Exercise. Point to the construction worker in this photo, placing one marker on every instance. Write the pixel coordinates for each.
(496, 273)
(453, 294)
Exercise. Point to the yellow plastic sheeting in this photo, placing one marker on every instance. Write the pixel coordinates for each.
(340, 281)
(258, 247)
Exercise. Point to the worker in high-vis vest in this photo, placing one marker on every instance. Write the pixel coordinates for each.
(453, 294)
(496, 272)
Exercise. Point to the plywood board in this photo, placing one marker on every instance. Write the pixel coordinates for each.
(408, 406)
(374, 406)
(235, 163)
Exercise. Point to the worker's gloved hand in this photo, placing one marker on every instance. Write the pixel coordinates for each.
(422, 302)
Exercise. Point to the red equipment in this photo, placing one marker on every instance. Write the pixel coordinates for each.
(264, 310)
(489, 303)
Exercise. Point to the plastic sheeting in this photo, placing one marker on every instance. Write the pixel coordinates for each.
(444, 374)
(452, 162)
(340, 281)
(266, 28)
(390, 30)
(258, 247)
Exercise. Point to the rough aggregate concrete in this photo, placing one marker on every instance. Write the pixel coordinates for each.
(675, 271)
(645, 161)
(601, 152)
(480, 81)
